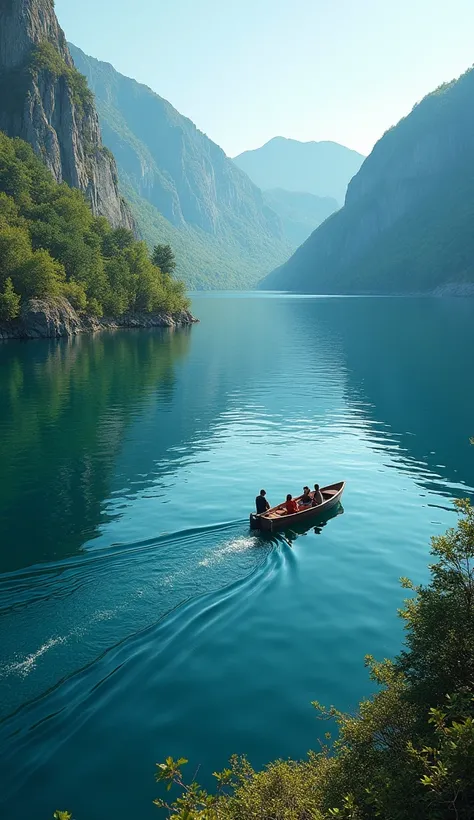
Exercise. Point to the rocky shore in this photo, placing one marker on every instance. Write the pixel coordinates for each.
(41, 319)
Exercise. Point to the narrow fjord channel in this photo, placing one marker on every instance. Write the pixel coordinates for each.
(140, 616)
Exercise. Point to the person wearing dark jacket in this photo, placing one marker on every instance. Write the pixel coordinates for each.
(261, 503)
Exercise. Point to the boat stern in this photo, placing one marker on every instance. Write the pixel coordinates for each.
(254, 521)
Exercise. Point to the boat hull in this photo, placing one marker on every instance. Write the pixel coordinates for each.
(271, 520)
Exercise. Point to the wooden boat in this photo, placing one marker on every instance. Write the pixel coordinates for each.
(276, 519)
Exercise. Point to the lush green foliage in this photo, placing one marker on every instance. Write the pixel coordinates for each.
(9, 301)
(45, 57)
(163, 258)
(51, 245)
(408, 752)
(14, 84)
(204, 261)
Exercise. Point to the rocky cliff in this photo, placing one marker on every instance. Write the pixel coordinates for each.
(45, 101)
(184, 188)
(407, 223)
(56, 318)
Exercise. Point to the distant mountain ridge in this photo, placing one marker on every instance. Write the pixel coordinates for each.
(407, 225)
(300, 213)
(320, 168)
(182, 186)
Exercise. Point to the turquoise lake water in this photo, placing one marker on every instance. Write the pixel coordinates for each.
(139, 615)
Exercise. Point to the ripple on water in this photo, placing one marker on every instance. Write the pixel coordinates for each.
(139, 616)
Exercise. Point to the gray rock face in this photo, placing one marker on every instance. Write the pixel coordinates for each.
(406, 225)
(54, 319)
(169, 162)
(40, 106)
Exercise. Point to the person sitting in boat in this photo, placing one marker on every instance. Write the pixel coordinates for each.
(261, 503)
(305, 500)
(317, 496)
(290, 505)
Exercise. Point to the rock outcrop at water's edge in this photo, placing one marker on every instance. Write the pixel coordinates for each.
(46, 102)
(53, 319)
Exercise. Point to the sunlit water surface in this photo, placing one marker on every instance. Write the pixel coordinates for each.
(140, 616)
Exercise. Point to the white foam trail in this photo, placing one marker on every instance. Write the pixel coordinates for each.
(24, 667)
(236, 545)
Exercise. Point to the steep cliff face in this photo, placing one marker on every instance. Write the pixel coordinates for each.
(407, 224)
(165, 160)
(45, 101)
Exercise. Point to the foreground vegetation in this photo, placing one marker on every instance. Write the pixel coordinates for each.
(408, 754)
(52, 245)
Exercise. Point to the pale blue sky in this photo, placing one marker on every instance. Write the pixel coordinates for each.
(247, 70)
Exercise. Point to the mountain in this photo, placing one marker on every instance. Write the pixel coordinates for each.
(46, 102)
(320, 168)
(182, 187)
(300, 213)
(407, 225)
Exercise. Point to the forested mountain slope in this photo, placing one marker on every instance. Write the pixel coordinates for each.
(407, 225)
(182, 186)
(52, 248)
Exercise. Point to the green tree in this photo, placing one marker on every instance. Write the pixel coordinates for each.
(164, 259)
(39, 276)
(75, 293)
(116, 241)
(440, 618)
(51, 243)
(15, 249)
(9, 302)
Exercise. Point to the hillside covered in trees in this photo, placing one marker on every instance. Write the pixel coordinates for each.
(52, 245)
(407, 221)
(182, 187)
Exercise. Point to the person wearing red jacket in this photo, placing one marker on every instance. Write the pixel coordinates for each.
(290, 505)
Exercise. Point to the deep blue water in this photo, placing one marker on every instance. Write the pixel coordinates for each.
(139, 616)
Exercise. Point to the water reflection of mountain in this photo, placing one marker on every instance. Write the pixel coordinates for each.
(410, 359)
(65, 407)
(242, 355)
(93, 415)
(94, 419)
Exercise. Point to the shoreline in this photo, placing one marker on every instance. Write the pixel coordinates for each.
(45, 319)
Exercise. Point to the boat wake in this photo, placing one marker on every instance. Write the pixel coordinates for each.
(80, 608)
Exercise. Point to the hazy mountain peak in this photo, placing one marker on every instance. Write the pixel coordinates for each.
(407, 221)
(320, 168)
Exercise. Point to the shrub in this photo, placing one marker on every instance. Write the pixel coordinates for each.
(40, 276)
(75, 293)
(408, 752)
(9, 302)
